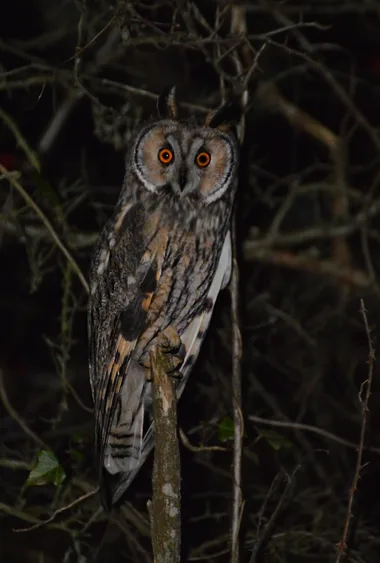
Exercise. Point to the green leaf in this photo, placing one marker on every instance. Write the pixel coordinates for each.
(276, 440)
(77, 437)
(47, 470)
(76, 455)
(226, 429)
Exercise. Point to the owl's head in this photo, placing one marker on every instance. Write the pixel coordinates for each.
(173, 156)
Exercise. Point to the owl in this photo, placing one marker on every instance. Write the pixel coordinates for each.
(158, 264)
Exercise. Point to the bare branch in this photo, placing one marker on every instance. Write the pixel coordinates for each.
(238, 27)
(269, 526)
(56, 513)
(350, 277)
(367, 384)
(186, 442)
(15, 184)
(12, 413)
(309, 428)
(29, 153)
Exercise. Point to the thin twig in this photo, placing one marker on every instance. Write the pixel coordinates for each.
(348, 276)
(16, 464)
(186, 442)
(238, 27)
(16, 513)
(309, 428)
(237, 409)
(151, 95)
(13, 414)
(166, 502)
(75, 502)
(270, 97)
(75, 95)
(268, 528)
(21, 142)
(15, 184)
(342, 545)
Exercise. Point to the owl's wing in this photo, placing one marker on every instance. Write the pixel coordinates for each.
(117, 315)
(120, 398)
(192, 340)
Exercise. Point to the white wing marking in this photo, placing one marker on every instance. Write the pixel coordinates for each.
(199, 325)
(192, 345)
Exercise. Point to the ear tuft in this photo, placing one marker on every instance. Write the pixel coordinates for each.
(226, 116)
(167, 105)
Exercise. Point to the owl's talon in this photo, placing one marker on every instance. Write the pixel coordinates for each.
(171, 350)
(175, 374)
(171, 343)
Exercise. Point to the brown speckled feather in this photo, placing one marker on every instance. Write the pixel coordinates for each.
(159, 262)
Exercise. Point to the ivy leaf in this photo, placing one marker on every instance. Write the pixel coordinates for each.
(226, 429)
(275, 440)
(47, 470)
(77, 437)
(76, 455)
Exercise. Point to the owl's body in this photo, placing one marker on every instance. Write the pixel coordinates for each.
(159, 263)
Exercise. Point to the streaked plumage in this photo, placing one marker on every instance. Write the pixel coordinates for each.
(159, 262)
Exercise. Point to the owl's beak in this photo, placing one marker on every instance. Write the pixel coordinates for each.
(182, 181)
(179, 184)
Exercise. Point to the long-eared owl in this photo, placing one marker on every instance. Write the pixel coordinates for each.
(159, 262)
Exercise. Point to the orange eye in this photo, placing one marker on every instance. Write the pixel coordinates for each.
(165, 156)
(203, 159)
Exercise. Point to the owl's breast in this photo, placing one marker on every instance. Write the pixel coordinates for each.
(188, 269)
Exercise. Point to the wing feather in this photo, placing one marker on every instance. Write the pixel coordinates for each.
(116, 321)
(192, 340)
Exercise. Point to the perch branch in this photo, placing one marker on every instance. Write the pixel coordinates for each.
(166, 503)
(342, 545)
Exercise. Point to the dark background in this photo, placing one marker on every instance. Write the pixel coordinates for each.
(76, 79)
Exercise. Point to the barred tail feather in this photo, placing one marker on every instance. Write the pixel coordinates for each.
(192, 340)
(124, 442)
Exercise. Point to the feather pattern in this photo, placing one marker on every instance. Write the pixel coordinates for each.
(159, 262)
(192, 340)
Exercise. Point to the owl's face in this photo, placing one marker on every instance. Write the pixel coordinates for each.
(197, 162)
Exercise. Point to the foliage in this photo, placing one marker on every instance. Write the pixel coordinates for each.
(47, 470)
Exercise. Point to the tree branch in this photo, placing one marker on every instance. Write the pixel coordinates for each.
(342, 546)
(15, 184)
(166, 503)
(306, 263)
(239, 28)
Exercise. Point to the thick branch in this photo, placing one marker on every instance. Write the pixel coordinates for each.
(166, 504)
